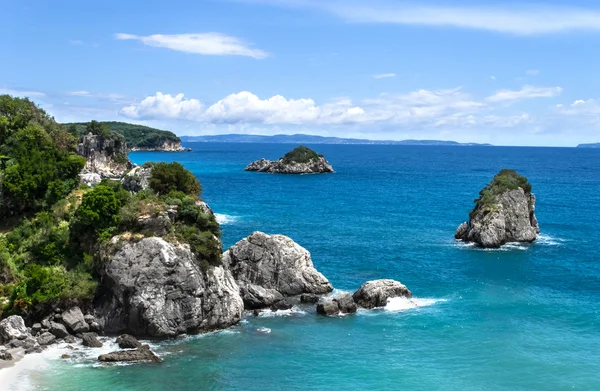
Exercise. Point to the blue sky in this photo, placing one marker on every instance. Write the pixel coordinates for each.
(508, 73)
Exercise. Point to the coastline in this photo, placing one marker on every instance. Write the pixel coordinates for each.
(18, 354)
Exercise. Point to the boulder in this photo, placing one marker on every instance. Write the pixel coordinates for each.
(65, 356)
(58, 330)
(11, 328)
(155, 288)
(89, 319)
(36, 328)
(340, 304)
(46, 338)
(376, 293)
(91, 340)
(282, 305)
(75, 321)
(141, 354)
(264, 265)
(127, 341)
(6, 355)
(309, 298)
(90, 178)
(503, 213)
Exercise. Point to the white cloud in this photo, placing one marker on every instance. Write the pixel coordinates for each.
(516, 18)
(533, 72)
(97, 95)
(383, 75)
(164, 106)
(527, 92)
(582, 108)
(203, 43)
(21, 93)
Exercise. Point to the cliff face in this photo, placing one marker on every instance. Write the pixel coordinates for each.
(106, 157)
(166, 146)
(509, 218)
(155, 288)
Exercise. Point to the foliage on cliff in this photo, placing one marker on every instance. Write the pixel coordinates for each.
(137, 136)
(504, 181)
(301, 154)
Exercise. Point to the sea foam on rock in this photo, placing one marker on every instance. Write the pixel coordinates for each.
(269, 268)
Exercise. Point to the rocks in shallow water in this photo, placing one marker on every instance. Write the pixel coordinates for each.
(341, 304)
(11, 328)
(504, 213)
(75, 321)
(6, 355)
(281, 305)
(157, 289)
(46, 338)
(91, 340)
(58, 330)
(267, 266)
(141, 354)
(65, 356)
(376, 293)
(127, 341)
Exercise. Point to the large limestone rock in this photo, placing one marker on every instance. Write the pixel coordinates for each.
(270, 267)
(155, 288)
(301, 160)
(142, 354)
(106, 157)
(376, 293)
(13, 328)
(502, 218)
(75, 321)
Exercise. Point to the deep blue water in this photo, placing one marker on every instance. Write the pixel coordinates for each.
(526, 317)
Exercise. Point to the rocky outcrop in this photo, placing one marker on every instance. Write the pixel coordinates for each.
(373, 294)
(126, 341)
(341, 304)
(137, 179)
(13, 328)
(155, 288)
(91, 340)
(166, 146)
(105, 157)
(142, 354)
(269, 268)
(501, 216)
(301, 160)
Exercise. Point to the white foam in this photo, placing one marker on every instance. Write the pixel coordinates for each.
(225, 219)
(548, 240)
(294, 311)
(397, 304)
(263, 330)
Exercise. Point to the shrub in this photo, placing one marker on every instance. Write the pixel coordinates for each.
(168, 177)
(301, 154)
(505, 180)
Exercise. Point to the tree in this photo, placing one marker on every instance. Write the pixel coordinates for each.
(98, 128)
(168, 177)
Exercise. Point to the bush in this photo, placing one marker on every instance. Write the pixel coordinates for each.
(301, 154)
(168, 177)
(505, 180)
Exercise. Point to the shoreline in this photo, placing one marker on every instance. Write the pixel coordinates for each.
(17, 353)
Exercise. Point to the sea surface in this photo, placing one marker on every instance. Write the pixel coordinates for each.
(525, 317)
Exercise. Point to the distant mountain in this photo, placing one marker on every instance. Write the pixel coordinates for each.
(308, 139)
(595, 145)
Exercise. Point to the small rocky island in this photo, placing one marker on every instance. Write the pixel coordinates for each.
(503, 213)
(301, 160)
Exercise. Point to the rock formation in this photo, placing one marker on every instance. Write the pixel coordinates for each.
(106, 157)
(137, 179)
(373, 294)
(269, 268)
(166, 146)
(126, 341)
(141, 354)
(301, 160)
(503, 213)
(155, 288)
(341, 304)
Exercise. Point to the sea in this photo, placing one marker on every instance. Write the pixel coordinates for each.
(523, 317)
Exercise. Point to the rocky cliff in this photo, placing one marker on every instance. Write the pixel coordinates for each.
(301, 160)
(106, 157)
(504, 213)
(155, 288)
(166, 146)
(269, 268)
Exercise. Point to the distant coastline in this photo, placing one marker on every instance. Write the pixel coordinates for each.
(310, 139)
(594, 145)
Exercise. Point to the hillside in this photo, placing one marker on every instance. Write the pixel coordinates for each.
(310, 139)
(139, 137)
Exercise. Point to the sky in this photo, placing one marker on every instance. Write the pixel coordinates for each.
(500, 72)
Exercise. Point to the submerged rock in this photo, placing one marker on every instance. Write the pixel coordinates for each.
(155, 288)
(503, 213)
(141, 354)
(376, 293)
(301, 160)
(269, 268)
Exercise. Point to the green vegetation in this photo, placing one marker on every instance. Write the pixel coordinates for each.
(136, 136)
(301, 154)
(54, 228)
(503, 181)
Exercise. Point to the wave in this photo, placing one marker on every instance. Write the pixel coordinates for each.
(548, 240)
(397, 304)
(294, 311)
(511, 246)
(263, 330)
(225, 219)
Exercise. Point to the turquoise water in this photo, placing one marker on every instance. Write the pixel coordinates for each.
(526, 317)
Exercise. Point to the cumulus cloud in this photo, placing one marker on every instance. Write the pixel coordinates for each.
(164, 106)
(527, 92)
(516, 18)
(214, 44)
(383, 75)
